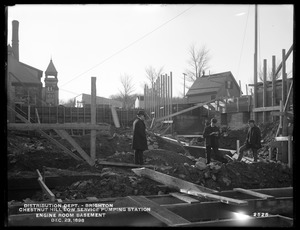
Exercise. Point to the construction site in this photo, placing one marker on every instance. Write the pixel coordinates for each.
(74, 166)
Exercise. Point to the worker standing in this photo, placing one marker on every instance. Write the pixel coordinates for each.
(212, 134)
(253, 141)
(139, 141)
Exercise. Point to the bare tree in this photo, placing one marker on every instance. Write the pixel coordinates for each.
(198, 62)
(152, 74)
(127, 90)
(68, 103)
(269, 76)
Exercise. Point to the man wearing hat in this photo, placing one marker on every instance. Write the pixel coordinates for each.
(212, 134)
(139, 141)
(253, 141)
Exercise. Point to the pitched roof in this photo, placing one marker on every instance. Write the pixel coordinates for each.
(51, 70)
(209, 83)
(20, 73)
(86, 98)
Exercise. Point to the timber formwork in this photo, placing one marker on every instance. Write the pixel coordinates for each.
(272, 207)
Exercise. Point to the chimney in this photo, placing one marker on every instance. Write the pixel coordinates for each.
(15, 38)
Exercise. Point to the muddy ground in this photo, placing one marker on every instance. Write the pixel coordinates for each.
(27, 152)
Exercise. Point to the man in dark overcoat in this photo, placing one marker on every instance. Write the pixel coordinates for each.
(253, 141)
(139, 141)
(212, 134)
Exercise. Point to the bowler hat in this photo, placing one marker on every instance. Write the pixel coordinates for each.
(214, 120)
(141, 112)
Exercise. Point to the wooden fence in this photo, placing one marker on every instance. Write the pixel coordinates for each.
(61, 115)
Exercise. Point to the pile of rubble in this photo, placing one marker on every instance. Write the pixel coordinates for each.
(26, 154)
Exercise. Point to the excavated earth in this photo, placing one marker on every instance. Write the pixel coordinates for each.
(27, 152)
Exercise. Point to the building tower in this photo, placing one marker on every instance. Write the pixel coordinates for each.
(51, 88)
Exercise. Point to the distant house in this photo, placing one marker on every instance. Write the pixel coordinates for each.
(209, 87)
(139, 102)
(84, 100)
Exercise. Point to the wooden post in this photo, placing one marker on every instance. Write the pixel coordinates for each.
(93, 119)
(270, 153)
(280, 119)
(265, 89)
(290, 152)
(273, 83)
(238, 147)
(284, 118)
(283, 78)
(28, 117)
(246, 89)
(237, 104)
(171, 86)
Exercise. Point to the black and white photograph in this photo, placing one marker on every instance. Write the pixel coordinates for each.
(149, 115)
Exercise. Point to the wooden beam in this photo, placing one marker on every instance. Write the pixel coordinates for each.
(115, 117)
(289, 114)
(222, 199)
(264, 109)
(185, 110)
(170, 181)
(44, 126)
(66, 150)
(190, 136)
(121, 164)
(93, 120)
(283, 138)
(269, 221)
(45, 188)
(158, 211)
(284, 59)
(264, 89)
(63, 134)
(252, 193)
(184, 198)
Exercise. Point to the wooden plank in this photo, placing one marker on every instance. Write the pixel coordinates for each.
(190, 136)
(252, 193)
(185, 110)
(170, 181)
(184, 198)
(159, 212)
(93, 120)
(283, 138)
(65, 135)
(284, 59)
(223, 199)
(66, 150)
(115, 117)
(289, 114)
(45, 188)
(37, 115)
(269, 221)
(264, 109)
(121, 164)
(45, 126)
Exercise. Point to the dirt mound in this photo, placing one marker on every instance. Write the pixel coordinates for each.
(26, 154)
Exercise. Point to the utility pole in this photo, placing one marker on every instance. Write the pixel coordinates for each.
(184, 84)
(255, 65)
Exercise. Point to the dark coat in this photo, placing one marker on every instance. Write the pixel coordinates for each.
(211, 140)
(253, 137)
(139, 141)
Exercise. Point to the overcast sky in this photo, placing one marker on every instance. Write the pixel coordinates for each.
(107, 41)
